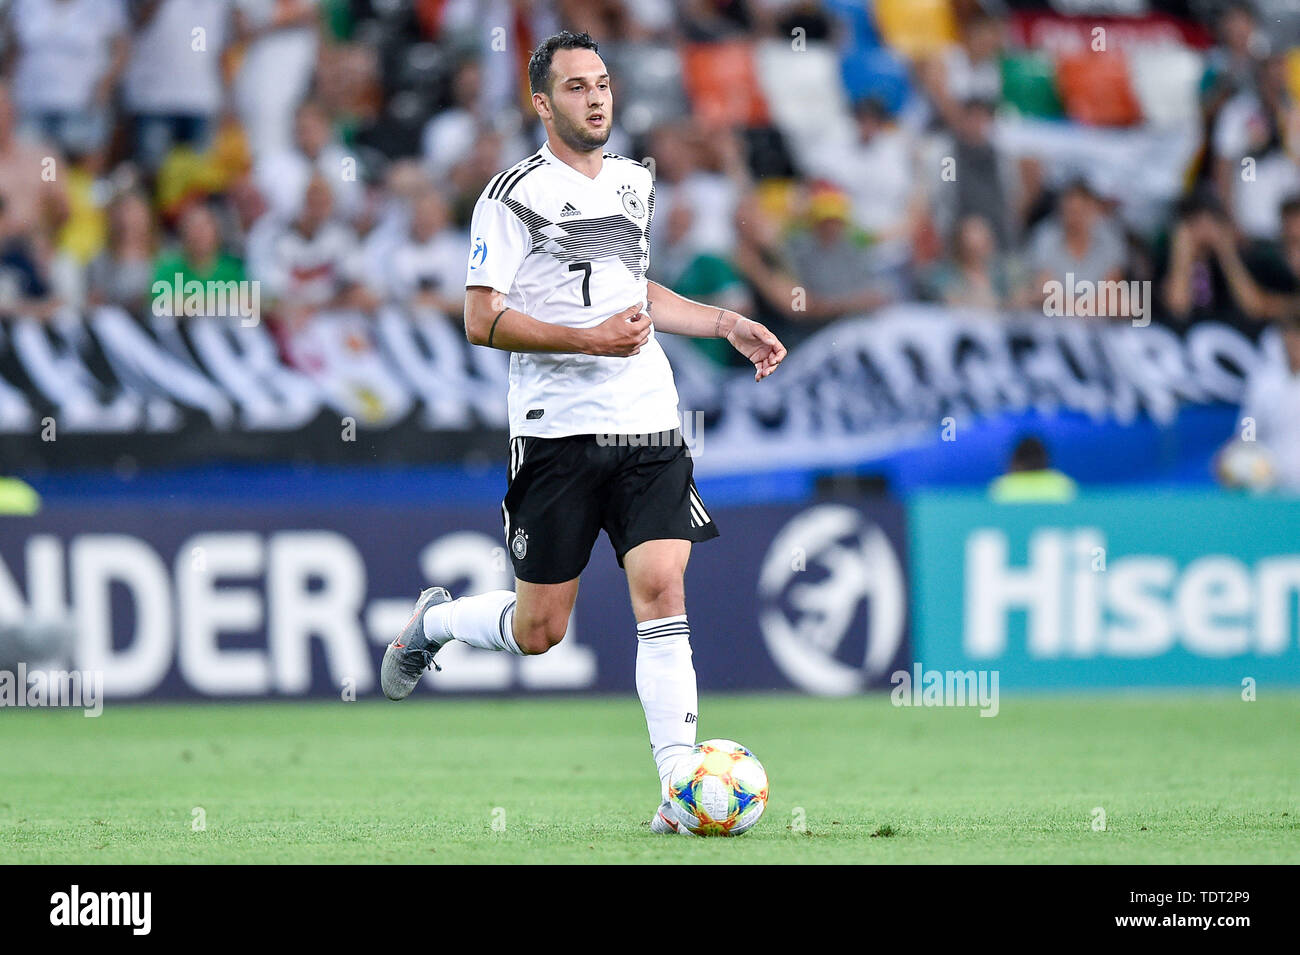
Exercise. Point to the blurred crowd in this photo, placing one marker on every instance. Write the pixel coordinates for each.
(332, 150)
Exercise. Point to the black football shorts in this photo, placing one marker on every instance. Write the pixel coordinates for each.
(563, 491)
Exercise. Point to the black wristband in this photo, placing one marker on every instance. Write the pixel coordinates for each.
(493, 330)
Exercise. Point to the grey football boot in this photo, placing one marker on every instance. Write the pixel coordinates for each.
(664, 824)
(661, 823)
(412, 652)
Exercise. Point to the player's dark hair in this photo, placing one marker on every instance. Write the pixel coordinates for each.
(539, 65)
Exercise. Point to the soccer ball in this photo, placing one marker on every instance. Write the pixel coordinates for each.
(719, 789)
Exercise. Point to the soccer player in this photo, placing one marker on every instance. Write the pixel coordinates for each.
(559, 251)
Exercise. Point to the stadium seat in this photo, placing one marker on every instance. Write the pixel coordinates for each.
(650, 90)
(1166, 81)
(804, 94)
(916, 27)
(721, 81)
(1029, 85)
(1293, 73)
(854, 18)
(1096, 89)
(877, 73)
(778, 197)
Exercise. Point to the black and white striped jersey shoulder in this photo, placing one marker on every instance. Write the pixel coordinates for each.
(623, 158)
(502, 183)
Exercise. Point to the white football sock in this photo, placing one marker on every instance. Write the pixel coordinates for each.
(486, 621)
(665, 681)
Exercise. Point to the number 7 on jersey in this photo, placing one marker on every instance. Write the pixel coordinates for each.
(585, 268)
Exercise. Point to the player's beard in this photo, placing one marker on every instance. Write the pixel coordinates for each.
(576, 136)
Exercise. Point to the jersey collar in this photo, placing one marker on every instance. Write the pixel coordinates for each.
(557, 161)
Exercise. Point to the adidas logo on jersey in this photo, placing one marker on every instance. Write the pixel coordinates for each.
(569, 210)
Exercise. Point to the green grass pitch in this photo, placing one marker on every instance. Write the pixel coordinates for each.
(1181, 778)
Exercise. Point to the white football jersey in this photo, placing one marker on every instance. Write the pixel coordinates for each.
(570, 250)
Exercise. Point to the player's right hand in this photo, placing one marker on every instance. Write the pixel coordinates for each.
(622, 334)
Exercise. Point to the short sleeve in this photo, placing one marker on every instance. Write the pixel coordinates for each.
(498, 244)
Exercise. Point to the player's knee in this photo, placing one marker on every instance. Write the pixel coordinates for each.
(538, 636)
(662, 597)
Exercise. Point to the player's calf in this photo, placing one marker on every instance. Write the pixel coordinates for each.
(541, 616)
(539, 635)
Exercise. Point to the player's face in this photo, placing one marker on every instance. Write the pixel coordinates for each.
(581, 104)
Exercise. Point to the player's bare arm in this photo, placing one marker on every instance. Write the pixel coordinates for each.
(673, 313)
(489, 322)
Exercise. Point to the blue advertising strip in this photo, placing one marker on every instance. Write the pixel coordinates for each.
(1155, 589)
(238, 601)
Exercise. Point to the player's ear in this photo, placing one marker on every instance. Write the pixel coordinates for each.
(542, 104)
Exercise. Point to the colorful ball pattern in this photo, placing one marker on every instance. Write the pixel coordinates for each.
(720, 789)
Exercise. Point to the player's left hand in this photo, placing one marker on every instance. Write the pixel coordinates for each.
(759, 345)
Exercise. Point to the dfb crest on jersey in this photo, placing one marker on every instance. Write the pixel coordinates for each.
(635, 208)
(519, 546)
